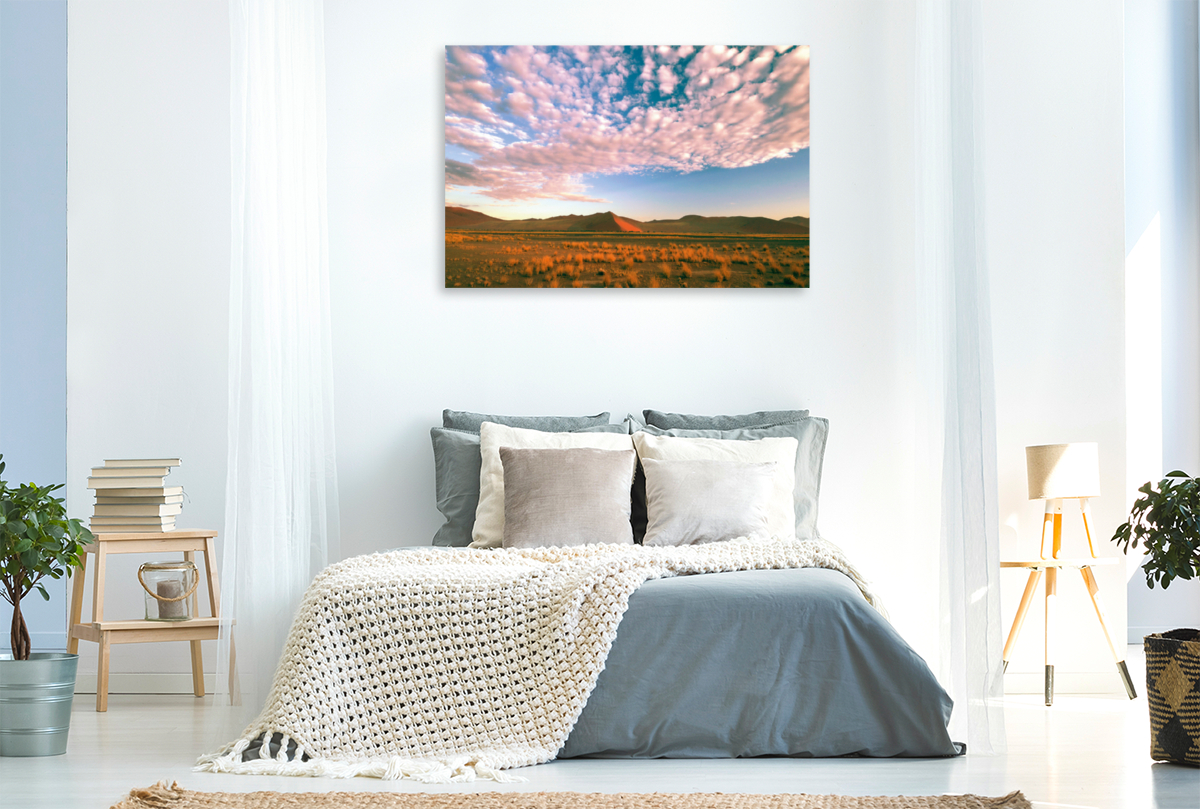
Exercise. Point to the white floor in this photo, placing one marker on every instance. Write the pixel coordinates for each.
(1082, 752)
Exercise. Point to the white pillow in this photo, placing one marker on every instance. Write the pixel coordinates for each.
(781, 515)
(489, 514)
(690, 502)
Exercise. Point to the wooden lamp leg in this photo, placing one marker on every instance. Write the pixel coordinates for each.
(1035, 576)
(1051, 604)
(1093, 588)
(1057, 506)
(1086, 511)
(1048, 517)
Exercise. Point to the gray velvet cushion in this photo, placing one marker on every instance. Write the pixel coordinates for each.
(695, 501)
(488, 531)
(456, 484)
(811, 434)
(563, 497)
(456, 463)
(464, 420)
(685, 421)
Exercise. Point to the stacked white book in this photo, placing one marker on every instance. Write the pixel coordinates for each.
(132, 496)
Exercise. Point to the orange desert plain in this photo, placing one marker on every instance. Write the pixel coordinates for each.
(608, 250)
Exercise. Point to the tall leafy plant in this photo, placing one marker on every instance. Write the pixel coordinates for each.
(36, 540)
(1166, 521)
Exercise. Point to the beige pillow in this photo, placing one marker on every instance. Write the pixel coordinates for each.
(566, 496)
(781, 515)
(690, 502)
(489, 514)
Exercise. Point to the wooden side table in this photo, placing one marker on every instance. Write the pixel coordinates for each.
(1051, 567)
(106, 633)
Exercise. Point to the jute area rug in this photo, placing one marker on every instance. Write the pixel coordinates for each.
(162, 796)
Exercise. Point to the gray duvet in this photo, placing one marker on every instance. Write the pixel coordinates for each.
(760, 663)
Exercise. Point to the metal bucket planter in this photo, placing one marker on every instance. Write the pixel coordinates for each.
(35, 703)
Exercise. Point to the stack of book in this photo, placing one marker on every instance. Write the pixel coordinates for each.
(132, 496)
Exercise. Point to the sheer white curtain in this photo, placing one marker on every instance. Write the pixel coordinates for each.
(957, 428)
(281, 509)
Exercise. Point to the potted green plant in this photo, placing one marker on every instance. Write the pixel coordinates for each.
(36, 688)
(1165, 521)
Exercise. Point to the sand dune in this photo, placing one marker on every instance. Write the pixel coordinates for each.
(463, 218)
(609, 222)
(802, 221)
(724, 224)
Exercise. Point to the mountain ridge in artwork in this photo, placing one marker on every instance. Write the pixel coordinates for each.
(609, 222)
(459, 218)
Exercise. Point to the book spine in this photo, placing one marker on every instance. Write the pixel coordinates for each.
(124, 463)
(104, 499)
(139, 491)
(130, 472)
(132, 510)
(125, 483)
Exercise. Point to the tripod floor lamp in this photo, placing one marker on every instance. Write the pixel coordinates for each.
(1059, 472)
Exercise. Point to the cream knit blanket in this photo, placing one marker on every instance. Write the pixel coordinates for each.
(447, 666)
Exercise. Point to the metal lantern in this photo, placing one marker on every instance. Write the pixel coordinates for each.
(169, 587)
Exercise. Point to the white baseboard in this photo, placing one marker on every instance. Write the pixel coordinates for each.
(1066, 682)
(1019, 682)
(45, 641)
(144, 683)
(1136, 633)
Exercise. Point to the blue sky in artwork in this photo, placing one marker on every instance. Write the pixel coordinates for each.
(775, 189)
(649, 133)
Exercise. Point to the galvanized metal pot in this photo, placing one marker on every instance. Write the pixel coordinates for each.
(35, 703)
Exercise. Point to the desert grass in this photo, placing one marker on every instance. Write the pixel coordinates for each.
(624, 260)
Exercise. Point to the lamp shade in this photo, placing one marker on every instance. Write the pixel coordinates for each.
(1063, 470)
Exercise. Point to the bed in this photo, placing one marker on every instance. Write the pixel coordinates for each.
(448, 664)
(760, 663)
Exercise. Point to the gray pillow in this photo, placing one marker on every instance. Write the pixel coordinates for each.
(564, 497)
(456, 464)
(811, 433)
(695, 501)
(463, 420)
(684, 421)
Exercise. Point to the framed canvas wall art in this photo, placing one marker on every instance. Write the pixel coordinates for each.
(669, 166)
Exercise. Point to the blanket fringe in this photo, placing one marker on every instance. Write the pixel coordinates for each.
(457, 769)
(590, 586)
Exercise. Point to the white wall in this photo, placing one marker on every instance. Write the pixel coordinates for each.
(148, 247)
(1053, 97)
(1162, 215)
(406, 347)
(144, 94)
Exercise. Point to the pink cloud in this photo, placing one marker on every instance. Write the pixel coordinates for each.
(539, 120)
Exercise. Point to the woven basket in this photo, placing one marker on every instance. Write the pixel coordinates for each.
(1173, 692)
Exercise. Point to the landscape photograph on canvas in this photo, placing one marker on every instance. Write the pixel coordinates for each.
(667, 166)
